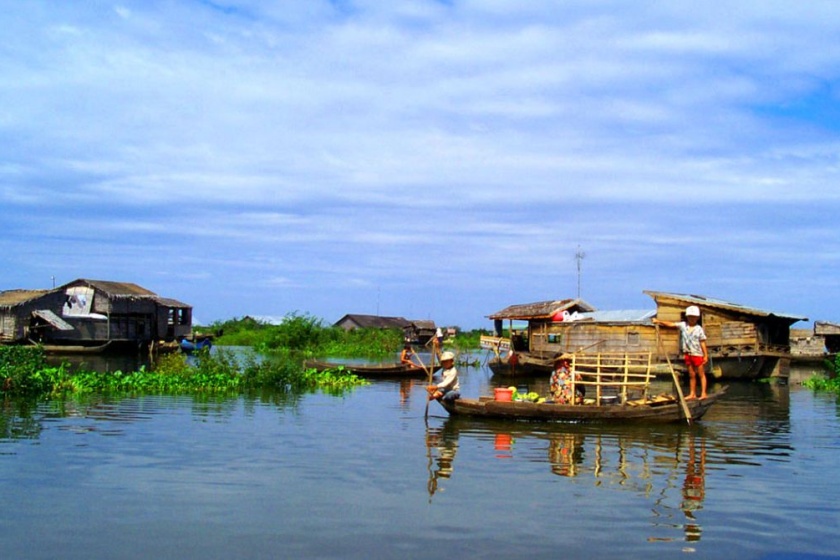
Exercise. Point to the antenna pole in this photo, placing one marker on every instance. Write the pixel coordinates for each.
(579, 258)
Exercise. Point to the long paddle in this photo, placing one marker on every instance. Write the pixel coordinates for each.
(430, 372)
(676, 379)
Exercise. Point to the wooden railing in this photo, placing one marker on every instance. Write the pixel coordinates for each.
(612, 375)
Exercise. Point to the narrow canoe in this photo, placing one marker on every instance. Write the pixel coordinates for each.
(372, 370)
(664, 408)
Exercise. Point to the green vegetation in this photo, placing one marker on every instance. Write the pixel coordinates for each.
(24, 371)
(306, 336)
(313, 338)
(827, 384)
(278, 352)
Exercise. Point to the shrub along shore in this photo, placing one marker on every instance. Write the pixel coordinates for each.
(275, 363)
(24, 371)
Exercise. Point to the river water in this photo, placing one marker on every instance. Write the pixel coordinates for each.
(365, 475)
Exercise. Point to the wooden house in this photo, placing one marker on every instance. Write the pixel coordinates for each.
(90, 313)
(742, 342)
(25, 314)
(817, 344)
(830, 333)
(420, 331)
(530, 348)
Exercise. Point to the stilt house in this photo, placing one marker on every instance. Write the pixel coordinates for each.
(92, 312)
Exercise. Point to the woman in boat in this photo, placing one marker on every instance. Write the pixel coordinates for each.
(448, 389)
(560, 384)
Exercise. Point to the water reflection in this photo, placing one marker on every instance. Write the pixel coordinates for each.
(694, 487)
(666, 465)
(441, 447)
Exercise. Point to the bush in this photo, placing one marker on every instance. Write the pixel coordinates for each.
(24, 370)
(826, 384)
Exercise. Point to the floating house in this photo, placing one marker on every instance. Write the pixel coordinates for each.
(817, 344)
(90, 314)
(742, 342)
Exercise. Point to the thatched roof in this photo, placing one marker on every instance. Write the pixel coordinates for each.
(10, 298)
(115, 289)
(540, 309)
(373, 321)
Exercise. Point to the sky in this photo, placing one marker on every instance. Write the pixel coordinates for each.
(424, 159)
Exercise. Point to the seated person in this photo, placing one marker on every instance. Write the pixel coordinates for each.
(407, 355)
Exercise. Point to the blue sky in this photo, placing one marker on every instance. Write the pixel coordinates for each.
(432, 160)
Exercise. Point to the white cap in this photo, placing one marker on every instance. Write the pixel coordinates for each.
(692, 311)
(447, 356)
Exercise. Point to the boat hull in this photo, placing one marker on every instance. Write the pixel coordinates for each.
(669, 410)
(372, 370)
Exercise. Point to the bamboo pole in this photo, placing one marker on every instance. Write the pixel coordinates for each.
(686, 411)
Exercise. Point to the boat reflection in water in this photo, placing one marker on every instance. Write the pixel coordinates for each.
(665, 465)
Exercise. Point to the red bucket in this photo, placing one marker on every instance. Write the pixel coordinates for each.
(504, 395)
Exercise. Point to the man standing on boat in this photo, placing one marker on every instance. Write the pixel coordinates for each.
(448, 389)
(693, 344)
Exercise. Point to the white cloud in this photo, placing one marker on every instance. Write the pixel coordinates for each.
(312, 144)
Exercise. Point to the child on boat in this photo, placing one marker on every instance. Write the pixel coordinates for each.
(693, 345)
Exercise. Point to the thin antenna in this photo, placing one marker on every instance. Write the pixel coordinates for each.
(579, 258)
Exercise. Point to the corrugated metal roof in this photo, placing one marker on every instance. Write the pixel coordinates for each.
(618, 316)
(53, 319)
(540, 309)
(10, 298)
(703, 301)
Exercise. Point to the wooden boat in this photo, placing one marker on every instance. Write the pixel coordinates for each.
(372, 370)
(662, 408)
(74, 348)
(616, 387)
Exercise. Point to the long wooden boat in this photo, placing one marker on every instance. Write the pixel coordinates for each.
(75, 348)
(372, 370)
(615, 387)
(662, 408)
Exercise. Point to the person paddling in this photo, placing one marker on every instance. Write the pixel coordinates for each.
(448, 389)
(693, 345)
(407, 356)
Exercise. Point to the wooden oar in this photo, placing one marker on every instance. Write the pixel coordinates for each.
(676, 379)
(430, 372)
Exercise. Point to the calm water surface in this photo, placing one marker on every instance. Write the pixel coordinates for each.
(365, 476)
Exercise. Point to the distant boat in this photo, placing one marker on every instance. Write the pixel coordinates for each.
(372, 370)
(188, 346)
(74, 348)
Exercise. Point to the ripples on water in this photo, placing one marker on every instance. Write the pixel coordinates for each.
(365, 476)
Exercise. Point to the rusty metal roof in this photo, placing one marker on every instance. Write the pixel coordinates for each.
(10, 298)
(712, 303)
(540, 309)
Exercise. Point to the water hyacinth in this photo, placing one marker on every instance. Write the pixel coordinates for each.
(24, 371)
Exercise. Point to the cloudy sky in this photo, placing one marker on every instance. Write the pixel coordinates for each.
(427, 159)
